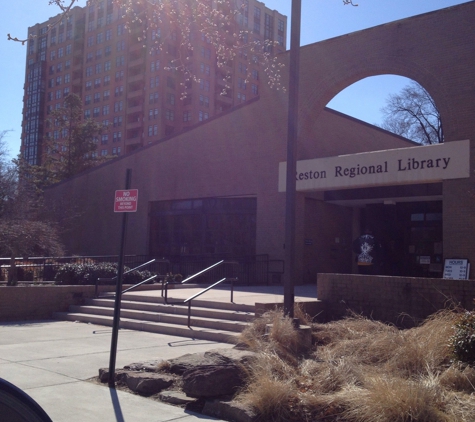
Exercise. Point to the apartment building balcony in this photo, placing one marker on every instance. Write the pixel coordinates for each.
(134, 125)
(137, 62)
(138, 92)
(135, 109)
(136, 78)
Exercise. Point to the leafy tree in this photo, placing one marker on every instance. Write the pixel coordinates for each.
(413, 114)
(73, 147)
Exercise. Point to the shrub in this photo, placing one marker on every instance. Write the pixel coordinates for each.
(87, 274)
(462, 342)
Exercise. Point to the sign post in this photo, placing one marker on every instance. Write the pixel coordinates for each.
(125, 201)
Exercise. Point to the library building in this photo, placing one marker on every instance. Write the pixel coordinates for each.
(217, 189)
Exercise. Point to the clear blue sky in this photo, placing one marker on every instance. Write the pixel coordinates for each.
(321, 19)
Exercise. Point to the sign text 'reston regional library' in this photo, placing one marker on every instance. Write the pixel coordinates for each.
(419, 164)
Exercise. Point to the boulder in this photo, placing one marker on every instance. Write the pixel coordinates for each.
(148, 383)
(229, 410)
(213, 380)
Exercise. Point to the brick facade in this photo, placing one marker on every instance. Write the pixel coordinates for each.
(403, 301)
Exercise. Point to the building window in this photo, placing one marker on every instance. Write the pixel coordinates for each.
(241, 83)
(97, 83)
(118, 106)
(53, 54)
(204, 85)
(117, 121)
(119, 90)
(107, 51)
(153, 130)
(119, 61)
(153, 98)
(67, 64)
(104, 139)
(153, 114)
(187, 116)
(119, 75)
(104, 152)
(96, 112)
(88, 85)
(89, 71)
(107, 80)
(171, 99)
(154, 82)
(107, 66)
(204, 101)
(97, 97)
(99, 38)
(121, 45)
(121, 29)
(254, 89)
(154, 66)
(87, 114)
(116, 136)
(99, 54)
(58, 94)
(203, 115)
(98, 68)
(170, 115)
(68, 49)
(106, 95)
(87, 100)
(105, 110)
(67, 78)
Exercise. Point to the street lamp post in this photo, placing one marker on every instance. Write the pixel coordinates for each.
(292, 132)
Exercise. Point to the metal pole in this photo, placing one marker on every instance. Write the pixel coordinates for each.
(290, 205)
(118, 291)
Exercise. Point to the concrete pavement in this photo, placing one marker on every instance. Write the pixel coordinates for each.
(51, 361)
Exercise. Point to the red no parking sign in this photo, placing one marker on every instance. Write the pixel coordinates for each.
(126, 200)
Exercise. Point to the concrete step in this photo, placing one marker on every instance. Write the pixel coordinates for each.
(202, 303)
(176, 309)
(153, 327)
(170, 318)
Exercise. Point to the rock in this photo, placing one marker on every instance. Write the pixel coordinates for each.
(213, 380)
(148, 383)
(144, 366)
(212, 357)
(175, 397)
(104, 375)
(230, 356)
(181, 364)
(229, 410)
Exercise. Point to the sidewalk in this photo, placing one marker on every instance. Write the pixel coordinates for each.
(50, 361)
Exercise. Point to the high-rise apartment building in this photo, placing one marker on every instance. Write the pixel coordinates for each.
(125, 81)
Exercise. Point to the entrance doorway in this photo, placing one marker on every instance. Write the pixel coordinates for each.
(410, 234)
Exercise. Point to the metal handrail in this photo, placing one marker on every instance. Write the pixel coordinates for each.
(232, 280)
(129, 271)
(202, 272)
(194, 276)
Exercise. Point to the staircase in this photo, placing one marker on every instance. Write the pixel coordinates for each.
(210, 320)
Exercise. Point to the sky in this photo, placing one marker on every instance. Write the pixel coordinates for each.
(321, 19)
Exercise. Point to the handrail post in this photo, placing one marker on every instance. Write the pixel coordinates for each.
(189, 314)
(95, 290)
(232, 290)
(166, 292)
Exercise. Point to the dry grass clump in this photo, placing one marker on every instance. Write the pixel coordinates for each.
(360, 371)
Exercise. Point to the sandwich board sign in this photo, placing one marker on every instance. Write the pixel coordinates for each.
(126, 200)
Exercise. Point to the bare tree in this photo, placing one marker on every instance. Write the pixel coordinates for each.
(413, 114)
(25, 228)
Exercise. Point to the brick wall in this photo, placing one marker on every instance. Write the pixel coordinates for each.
(39, 302)
(400, 300)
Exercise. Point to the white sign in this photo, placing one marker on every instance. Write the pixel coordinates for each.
(420, 164)
(456, 269)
